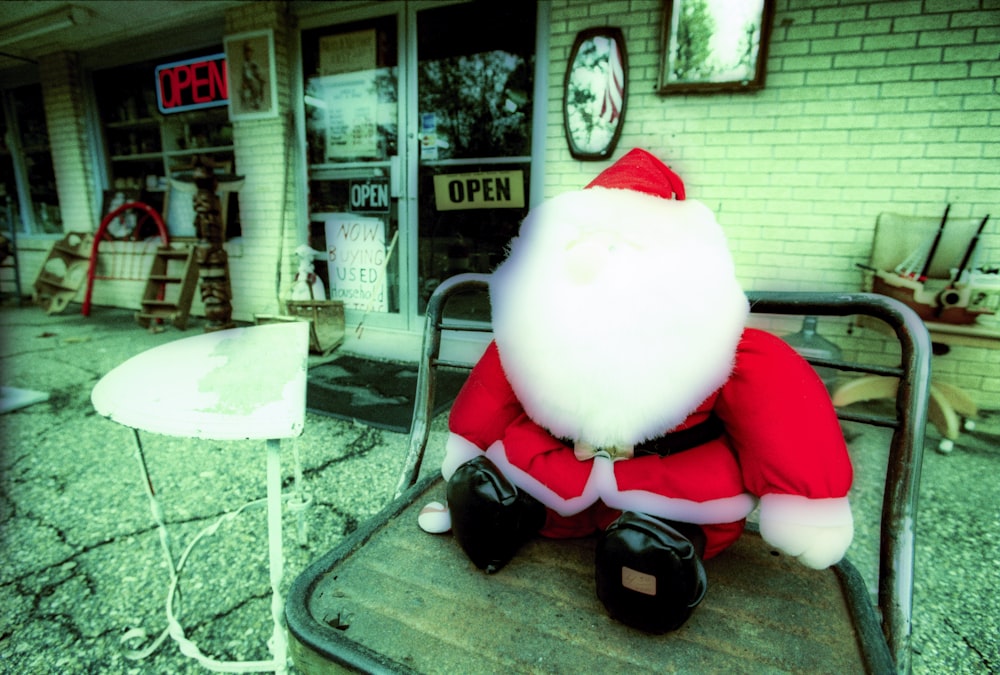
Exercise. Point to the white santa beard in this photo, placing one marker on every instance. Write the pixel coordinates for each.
(627, 348)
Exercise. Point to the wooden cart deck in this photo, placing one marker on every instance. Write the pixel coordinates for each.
(395, 599)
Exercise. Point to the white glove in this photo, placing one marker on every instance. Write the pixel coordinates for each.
(435, 518)
(816, 531)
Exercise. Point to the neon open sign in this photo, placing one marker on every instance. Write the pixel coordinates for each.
(192, 84)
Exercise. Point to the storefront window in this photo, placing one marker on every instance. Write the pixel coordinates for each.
(351, 92)
(10, 219)
(352, 131)
(27, 177)
(151, 155)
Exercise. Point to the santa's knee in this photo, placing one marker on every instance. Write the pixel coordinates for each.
(490, 517)
(720, 536)
(649, 573)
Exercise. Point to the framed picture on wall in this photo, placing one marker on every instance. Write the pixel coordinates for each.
(714, 45)
(595, 93)
(252, 83)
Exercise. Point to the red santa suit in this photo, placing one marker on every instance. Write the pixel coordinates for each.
(618, 320)
(773, 444)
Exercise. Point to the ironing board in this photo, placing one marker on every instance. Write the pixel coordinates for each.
(238, 384)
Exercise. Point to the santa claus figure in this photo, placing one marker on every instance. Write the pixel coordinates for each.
(623, 395)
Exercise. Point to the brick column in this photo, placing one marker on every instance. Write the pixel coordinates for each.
(266, 156)
(65, 115)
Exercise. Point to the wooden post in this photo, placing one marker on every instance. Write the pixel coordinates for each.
(213, 261)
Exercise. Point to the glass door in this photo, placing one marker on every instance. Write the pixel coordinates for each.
(352, 135)
(395, 214)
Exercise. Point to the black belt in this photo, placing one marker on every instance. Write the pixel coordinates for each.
(685, 439)
(677, 441)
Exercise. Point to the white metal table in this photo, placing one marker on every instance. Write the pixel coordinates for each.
(238, 384)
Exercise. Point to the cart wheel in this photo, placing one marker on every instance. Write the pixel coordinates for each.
(946, 446)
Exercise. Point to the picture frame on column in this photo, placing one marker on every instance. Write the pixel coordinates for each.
(251, 76)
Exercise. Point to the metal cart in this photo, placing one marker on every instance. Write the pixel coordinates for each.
(390, 598)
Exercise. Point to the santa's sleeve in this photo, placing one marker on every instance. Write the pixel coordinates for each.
(487, 416)
(782, 424)
(486, 404)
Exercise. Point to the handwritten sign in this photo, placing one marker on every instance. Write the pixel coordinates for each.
(356, 261)
(484, 190)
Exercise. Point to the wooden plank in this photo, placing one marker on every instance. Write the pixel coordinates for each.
(416, 599)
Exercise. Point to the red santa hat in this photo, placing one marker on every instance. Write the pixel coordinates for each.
(641, 171)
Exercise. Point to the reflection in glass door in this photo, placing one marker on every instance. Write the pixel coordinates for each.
(474, 102)
(27, 176)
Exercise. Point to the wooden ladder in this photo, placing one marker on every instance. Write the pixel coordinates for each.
(170, 287)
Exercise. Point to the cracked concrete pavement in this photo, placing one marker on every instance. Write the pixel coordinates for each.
(82, 563)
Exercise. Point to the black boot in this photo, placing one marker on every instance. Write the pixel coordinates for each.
(490, 517)
(649, 575)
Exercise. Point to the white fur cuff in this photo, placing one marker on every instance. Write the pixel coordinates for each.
(816, 531)
(457, 451)
(833, 512)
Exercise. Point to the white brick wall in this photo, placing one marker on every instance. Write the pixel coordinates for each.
(79, 198)
(868, 107)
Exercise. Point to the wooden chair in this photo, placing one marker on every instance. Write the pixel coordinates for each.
(898, 241)
(391, 598)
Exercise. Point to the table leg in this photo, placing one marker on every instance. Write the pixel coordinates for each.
(157, 512)
(279, 642)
